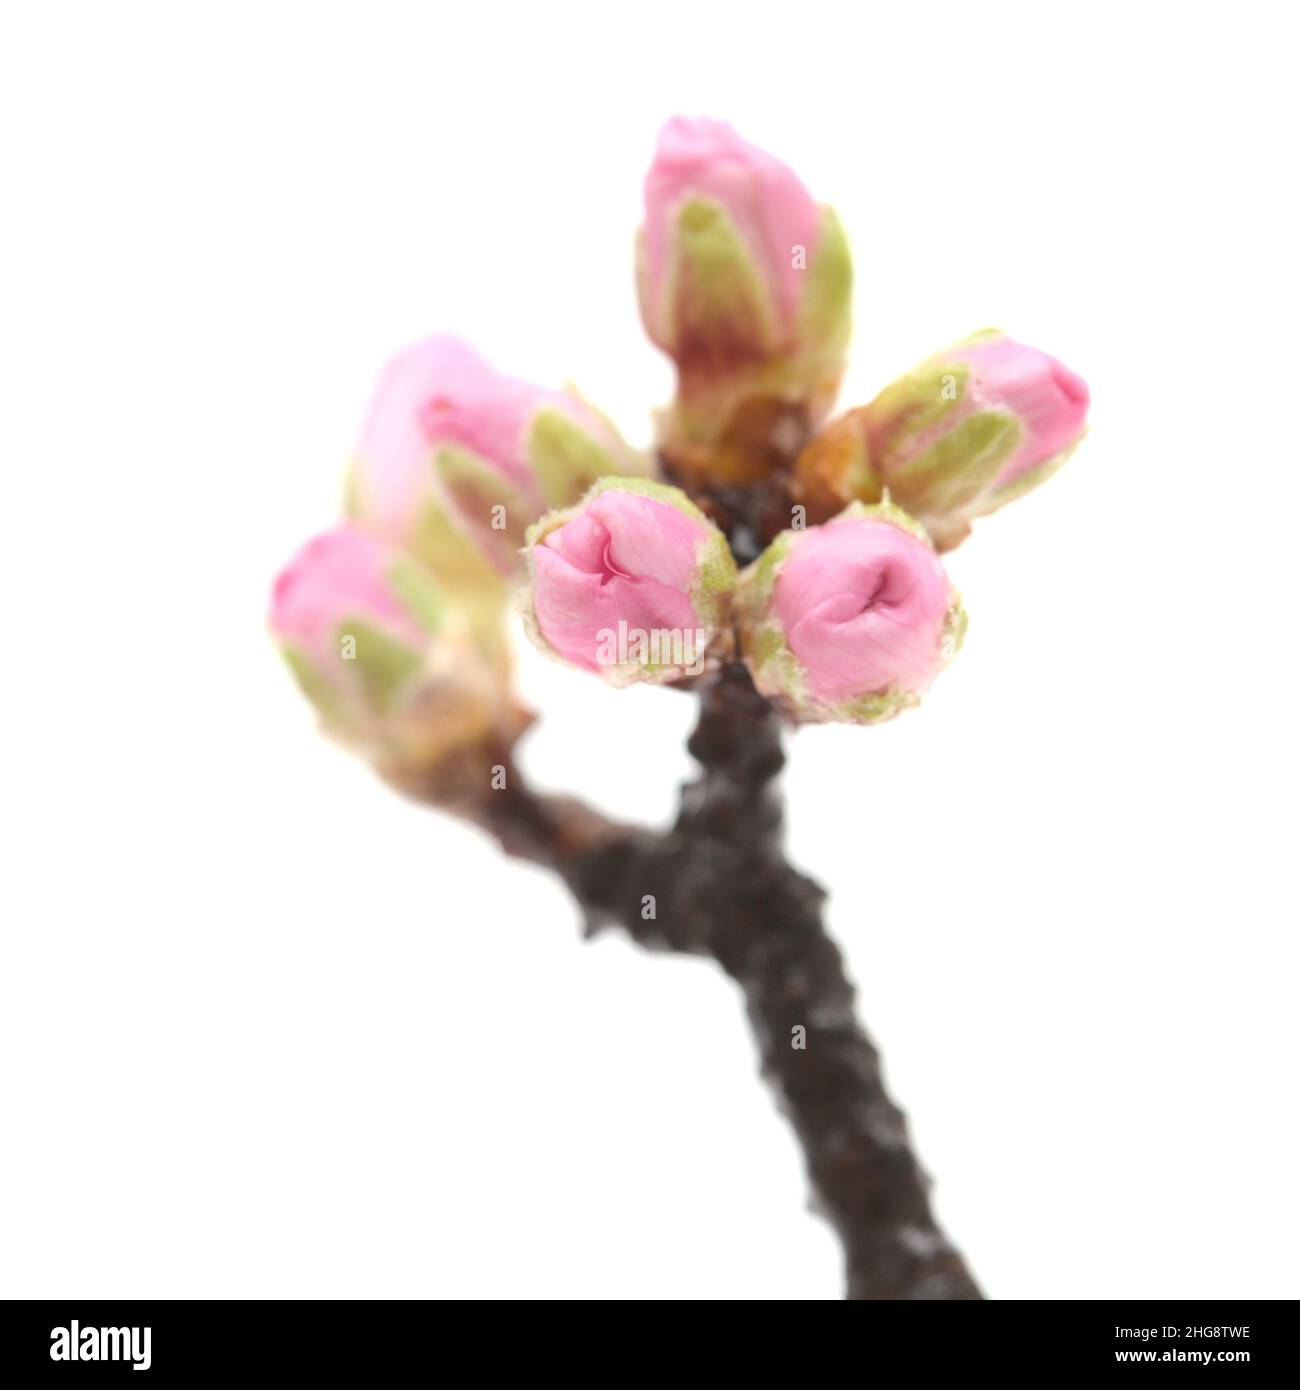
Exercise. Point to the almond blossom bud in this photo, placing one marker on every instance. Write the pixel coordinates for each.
(634, 582)
(389, 665)
(957, 437)
(743, 280)
(850, 621)
(456, 461)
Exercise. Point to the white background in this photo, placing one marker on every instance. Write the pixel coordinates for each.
(266, 1030)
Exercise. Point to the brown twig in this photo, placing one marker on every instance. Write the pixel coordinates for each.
(722, 887)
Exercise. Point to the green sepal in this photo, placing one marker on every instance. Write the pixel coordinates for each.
(384, 663)
(826, 309)
(717, 566)
(719, 310)
(315, 685)
(915, 403)
(954, 627)
(766, 644)
(759, 579)
(775, 669)
(886, 510)
(461, 572)
(566, 459)
(476, 488)
(981, 335)
(960, 464)
(715, 579)
(873, 709)
(417, 591)
(649, 487)
(643, 487)
(452, 557)
(775, 666)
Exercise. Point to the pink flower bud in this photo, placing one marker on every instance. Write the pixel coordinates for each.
(456, 461)
(387, 663)
(743, 279)
(634, 582)
(957, 437)
(850, 621)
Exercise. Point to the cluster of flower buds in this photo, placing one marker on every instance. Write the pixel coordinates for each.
(394, 624)
(850, 621)
(466, 483)
(456, 461)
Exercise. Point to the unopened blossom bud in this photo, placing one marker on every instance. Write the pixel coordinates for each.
(850, 621)
(743, 279)
(957, 437)
(390, 666)
(633, 583)
(456, 461)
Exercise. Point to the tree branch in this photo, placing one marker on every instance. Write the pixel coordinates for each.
(723, 888)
